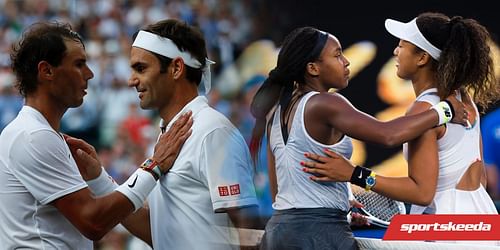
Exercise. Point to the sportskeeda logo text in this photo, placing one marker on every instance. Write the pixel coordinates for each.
(448, 227)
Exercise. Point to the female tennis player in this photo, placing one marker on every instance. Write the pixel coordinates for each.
(441, 56)
(310, 215)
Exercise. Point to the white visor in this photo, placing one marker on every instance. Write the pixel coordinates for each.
(166, 47)
(410, 32)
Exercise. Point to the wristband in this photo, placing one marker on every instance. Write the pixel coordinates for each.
(349, 193)
(359, 176)
(445, 111)
(103, 184)
(137, 187)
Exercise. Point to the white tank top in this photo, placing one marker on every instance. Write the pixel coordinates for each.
(295, 189)
(457, 149)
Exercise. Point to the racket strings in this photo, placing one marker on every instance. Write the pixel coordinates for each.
(377, 205)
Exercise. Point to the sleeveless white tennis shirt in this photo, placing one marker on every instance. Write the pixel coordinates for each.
(295, 189)
(457, 150)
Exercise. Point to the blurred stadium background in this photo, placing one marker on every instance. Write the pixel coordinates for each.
(243, 38)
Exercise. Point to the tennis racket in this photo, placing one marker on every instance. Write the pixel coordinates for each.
(378, 209)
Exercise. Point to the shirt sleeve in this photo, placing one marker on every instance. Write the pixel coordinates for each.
(43, 163)
(228, 169)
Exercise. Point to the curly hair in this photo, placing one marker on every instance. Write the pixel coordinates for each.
(466, 60)
(42, 41)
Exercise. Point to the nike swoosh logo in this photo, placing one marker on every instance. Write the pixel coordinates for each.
(360, 175)
(133, 183)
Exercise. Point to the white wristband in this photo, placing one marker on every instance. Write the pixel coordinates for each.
(103, 184)
(349, 218)
(137, 187)
(444, 111)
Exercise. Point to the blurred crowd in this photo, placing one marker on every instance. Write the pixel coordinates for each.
(110, 118)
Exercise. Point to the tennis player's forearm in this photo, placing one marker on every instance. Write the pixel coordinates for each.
(404, 189)
(138, 224)
(114, 208)
(245, 218)
(96, 217)
(406, 128)
(391, 133)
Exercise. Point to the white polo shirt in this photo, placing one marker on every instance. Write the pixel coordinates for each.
(213, 172)
(36, 168)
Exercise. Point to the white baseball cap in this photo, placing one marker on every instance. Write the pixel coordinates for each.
(409, 32)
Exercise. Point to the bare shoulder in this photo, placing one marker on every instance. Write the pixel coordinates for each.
(328, 101)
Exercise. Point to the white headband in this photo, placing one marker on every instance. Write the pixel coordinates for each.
(166, 47)
(410, 32)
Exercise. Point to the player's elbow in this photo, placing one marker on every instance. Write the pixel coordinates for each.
(390, 139)
(93, 232)
(92, 226)
(424, 199)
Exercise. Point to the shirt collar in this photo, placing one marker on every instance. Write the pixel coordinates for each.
(195, 105)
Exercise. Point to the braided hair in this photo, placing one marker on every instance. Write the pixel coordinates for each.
(301, 46)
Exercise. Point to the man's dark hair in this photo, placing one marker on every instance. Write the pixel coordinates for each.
(43, 41)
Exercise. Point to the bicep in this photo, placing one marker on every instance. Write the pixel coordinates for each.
(423, 161)
(342, 115)
(419, 186)
(358, 124)
(423, 157)
(423, 168)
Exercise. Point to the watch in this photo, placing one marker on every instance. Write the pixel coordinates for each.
(371, 180)
(152, 167)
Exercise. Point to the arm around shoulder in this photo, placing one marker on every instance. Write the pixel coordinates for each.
(342, 115)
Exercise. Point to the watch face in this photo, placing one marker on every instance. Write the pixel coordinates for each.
(148, 163)
(370, 181)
